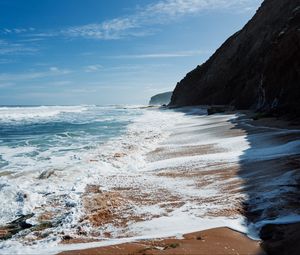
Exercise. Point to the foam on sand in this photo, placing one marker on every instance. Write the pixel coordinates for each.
(144, 194)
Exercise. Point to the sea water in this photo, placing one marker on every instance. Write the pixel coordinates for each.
(49, 154)
(66, 141)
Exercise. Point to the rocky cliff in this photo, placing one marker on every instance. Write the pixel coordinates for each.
(256, 68)
(159, 99)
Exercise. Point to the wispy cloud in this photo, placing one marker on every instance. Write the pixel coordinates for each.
(161, 12)
(92, 68)
(14, 77)
(5, 61)
(33, 39)
(111, 29)
(53, 83)
(60, 83)
(9, 48)
(6, 84)
(141, 22)
(177, 54)
(8, 31)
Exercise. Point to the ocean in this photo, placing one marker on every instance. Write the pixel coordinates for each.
(49, 154)
(38, 141)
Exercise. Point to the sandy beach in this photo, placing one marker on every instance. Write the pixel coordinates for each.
(212, 172)
(177, 182)
(150, 127)
(212, 241)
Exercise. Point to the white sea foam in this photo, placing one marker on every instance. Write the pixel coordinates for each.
(38, 112)
(77, 163)
(72, 171)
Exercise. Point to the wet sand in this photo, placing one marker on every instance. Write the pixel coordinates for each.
(262, 184)
(213, 241)
(214, 174)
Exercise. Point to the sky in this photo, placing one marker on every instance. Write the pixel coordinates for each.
(68, 52)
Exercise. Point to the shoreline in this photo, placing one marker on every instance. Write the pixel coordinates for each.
(252, 246)
(211, 241)
(204, 176)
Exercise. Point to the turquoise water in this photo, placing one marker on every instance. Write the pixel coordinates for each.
(69, 142)
(50, 155)
(28, 133)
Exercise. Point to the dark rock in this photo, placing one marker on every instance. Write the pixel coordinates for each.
(256, 68)
(42, 226)
(161, 99)
(15, 226)
(46, 174)
(21, 221)
(67, 238)
(218, 109)
(281, 239)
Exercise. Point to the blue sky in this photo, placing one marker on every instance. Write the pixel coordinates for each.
(108, 52)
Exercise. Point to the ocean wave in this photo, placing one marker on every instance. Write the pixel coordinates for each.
(59, 172)
(36, 112)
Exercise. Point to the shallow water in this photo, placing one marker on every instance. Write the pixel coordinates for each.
(49, 154)
(50, 138)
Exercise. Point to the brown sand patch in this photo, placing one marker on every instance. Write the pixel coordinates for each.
(234, 132)
(212, 170)
(116, 207)
(70, 240)
(102, 207)
(161, 197)
(46, 216)
(213, 241)
(226, 212)
(182, 151)
(222, 178)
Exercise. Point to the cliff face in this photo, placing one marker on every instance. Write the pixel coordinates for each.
(159, 99)
(256, 68)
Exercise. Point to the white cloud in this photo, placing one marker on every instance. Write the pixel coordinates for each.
(180, 7)
(163, 11)
(60, 83)
(16, 30)
(164, 54)
(139, 23)
(29, 40)
(53, 68)
(9, 48)
(92, 68)
(111, 29)
(175, 8)
(13, 77)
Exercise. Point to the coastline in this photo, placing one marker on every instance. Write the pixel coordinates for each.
(82, 172)
(240, 126)
(212, 241)
(200, 174)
